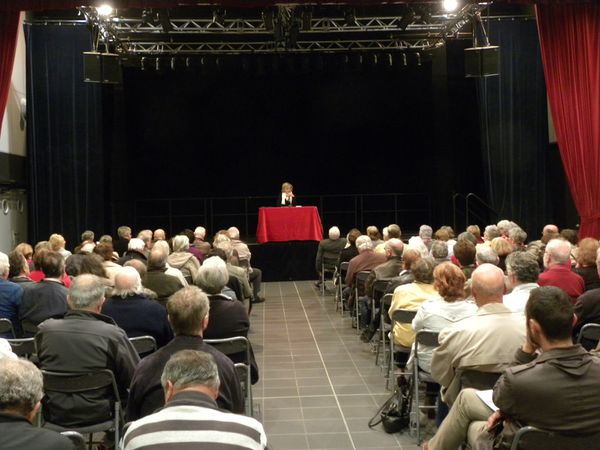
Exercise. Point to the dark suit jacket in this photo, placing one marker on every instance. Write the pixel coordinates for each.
(164, 285)
(329, 252)
(42, 301)
(18, 434)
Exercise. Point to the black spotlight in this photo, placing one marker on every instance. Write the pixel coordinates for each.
(407, 19)
(350, 17)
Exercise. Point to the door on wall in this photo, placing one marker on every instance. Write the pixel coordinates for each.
(13, 219)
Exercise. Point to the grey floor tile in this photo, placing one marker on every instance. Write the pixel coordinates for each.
(329, 441)
(284, 427)
(288, 442)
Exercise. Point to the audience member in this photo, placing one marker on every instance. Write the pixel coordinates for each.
(121, 245)
(443, 310)
(409, 257)
(522, 272)
(146, 237)
(486, 255)
(329, 251)
(439, 251)
(135, 250)
(424, 237)
(87, 240)
(172, 271)
(199, 243)
(464, 253)
(6, 350)
(411, 296)
(558, 269)
(228, 318)
(484, 342)
(38, 274)
(11, 295)
(21, 392)
(19, 269)
(183, 260)
(490, 233)
(84, 341)
(549, 380)
(475, 231)
(48, 298)
(135, 313)
(503, 248)
(234, 271)
(191, 416)
(188, 312)
(111, 268)
(27, 251)
(587, 307)
(57, 244)
(157, 280)
(92, 264)
(350, 251)
(586, 263)
(159, 235)
(244, 257)
(517, 237)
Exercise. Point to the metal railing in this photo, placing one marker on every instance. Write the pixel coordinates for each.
(408, 210)
(470, 201)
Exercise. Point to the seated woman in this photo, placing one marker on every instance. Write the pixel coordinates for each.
(287, 196)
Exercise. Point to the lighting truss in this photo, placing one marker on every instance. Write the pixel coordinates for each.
(295, 32)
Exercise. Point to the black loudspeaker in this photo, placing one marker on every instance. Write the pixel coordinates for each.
(482, 61)
(102, 68)
(92, 67)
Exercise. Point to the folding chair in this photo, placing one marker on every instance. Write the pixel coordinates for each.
(86, 383)
(377, 293)
(23, 348)
(384, 328)
(359, 284)
(429, 339)
(6, 326)
(230, 346)
(144, 345)
(29, 328)
(76, 438)
(589, 336)
(478, 380)
(340, 285)
(243, 373)
(400, 316)
(326, 268)
(532, 438)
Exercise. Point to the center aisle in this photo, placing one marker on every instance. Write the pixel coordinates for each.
(319, 384)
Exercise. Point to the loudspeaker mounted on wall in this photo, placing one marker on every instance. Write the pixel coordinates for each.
(482, 61)
(102, 68)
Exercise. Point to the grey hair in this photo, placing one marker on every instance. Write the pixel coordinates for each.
(422, 269)
(524, 266)
(127, 282)
(162, 245)
(4, 264)
(485, 254)
(334, 233)
(87, 235)
(213, 275)
(145, 235)
(136, 244)
(181, 243)
(425, 231)
(517, 235)
(188, 368)
(233, 233)
(21, 385)
(86, 290)
(226, 246)
(439, 250)
(559, 250)
(364, 242)
(157, 259)
(491, 232)
(106, 238)
(123, 230)
(200, 232)
(466, 236)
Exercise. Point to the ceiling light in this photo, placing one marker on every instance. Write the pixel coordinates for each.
(104, 10)
(450, 5)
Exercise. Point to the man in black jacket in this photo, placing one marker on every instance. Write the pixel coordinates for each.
(20, 394)
(84, 341)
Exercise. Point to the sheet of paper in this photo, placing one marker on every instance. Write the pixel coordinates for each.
(486, 397)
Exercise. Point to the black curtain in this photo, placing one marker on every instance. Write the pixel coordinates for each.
(514, 127)
(64, 135)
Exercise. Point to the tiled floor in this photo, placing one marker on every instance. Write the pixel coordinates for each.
(319, 384)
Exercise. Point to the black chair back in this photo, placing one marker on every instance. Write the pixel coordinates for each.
(478, 380)
(589, 336)
(6, 327)
(532, 438)
(404, 315)
(24, 347)
(144, 345)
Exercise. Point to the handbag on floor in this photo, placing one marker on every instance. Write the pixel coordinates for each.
(394, 414)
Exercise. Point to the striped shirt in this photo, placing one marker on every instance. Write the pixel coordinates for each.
(192, 420)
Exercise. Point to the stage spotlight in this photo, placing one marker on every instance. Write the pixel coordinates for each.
(104, 10)
(143, 63)
(219, 16)
(350, 17)
(418, 59)
(407, 19)
(390, 59)
(173, 64)
(450, 5)
(404, 60)
(157, 64)
(267, 17)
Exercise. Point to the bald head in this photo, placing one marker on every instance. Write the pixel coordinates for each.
(487, 284)
(550, 229)
(394, 248)
(128, 279)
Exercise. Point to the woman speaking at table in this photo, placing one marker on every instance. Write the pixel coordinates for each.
(287, 196)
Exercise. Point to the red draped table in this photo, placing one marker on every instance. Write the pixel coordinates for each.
(300, 223)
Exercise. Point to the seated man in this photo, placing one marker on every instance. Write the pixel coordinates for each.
(551, 384)
(557, 261)
(157, 280)
(134, 312)
(523, 270)
(244, 256)
(21, 390)
(84, 341)
(48, 298)
(191, 417)
(188, 315)
(328, 252)
(482, 342)
(135, 250)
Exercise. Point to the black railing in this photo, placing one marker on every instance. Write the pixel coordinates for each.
(475, 209)
(409, 210)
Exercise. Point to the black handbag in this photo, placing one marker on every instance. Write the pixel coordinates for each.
(394, 414)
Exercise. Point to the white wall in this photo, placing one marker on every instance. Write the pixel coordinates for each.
(12, 135)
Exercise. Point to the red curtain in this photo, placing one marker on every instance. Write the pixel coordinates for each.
(9, 23)
(570, 42)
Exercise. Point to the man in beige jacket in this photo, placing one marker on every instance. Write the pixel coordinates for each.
(484, 342)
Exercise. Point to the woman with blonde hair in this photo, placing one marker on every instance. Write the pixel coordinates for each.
(586, 263)
(287, 195)
(57, 244)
